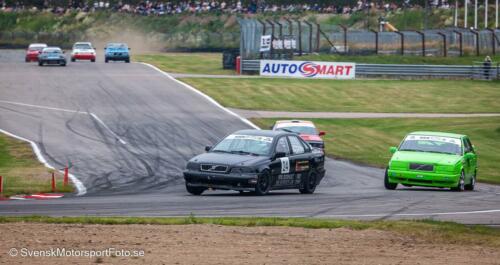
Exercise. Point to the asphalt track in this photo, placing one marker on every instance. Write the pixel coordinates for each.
(127, 130)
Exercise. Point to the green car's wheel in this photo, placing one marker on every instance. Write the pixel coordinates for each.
(461, 183)
(309, 184)
(195, 190)
(472, 182)
(263, 184)
(388, 185)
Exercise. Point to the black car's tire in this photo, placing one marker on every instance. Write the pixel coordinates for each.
(92, 60)
(472, 183)
(40, 63)
(263, 184)
(106, 60)
(127, 60)
(26, 60)
(73, 59)
(309, 185)
(461, 183)
(388, 185)
(195, 190)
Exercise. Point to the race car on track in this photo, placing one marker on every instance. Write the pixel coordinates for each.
(83, 51)
(116, 52)
(305, 129)
(256, 161)
(33, 51)
(52, 55)
(433, 159)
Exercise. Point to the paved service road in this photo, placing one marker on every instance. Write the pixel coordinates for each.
(127, 130)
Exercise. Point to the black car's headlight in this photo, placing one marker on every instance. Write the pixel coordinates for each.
(243, 170)
(192, 166)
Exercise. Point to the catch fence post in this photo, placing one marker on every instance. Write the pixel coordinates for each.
(476, 34)
(53, 182)
(299, 25)
(376, 40)
(402, 41)
(445, 49)
(422, 34)
(1, 185)
(493, 42)
(461, 42)
(344, 28)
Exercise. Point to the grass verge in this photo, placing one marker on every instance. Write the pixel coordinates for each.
(190, 63)
(21, 171)
(367, 141)
(431, 231)
(432, 96)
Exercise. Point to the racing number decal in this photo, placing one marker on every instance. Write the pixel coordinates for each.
(285, 165)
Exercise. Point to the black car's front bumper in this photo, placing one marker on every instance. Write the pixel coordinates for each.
(242, 182)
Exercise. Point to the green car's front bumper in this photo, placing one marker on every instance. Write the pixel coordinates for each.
(419, 178)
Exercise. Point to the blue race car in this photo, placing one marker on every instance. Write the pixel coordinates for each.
(116, 52)
(52, 55)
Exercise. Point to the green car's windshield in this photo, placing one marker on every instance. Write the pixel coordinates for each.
(245, 145)
(300, 129)
(432, 144)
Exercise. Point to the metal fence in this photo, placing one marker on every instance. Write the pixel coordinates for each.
(476, 71)
(312, 37)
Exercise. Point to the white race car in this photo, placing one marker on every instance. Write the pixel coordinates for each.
(83, 51)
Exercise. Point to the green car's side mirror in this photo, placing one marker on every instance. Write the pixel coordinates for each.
(393, 149)
(474, 148)
(469, 155)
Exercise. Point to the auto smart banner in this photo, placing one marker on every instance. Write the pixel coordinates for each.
(307, 69)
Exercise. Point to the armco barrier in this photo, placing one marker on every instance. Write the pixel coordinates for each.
(441, 71)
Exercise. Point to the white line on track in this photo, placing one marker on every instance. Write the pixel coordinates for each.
(81, 190)
(70, 111)
(217, 104)
(42, 107)
(107, 128)
(413, 214)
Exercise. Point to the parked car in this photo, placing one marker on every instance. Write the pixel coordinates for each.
(83, 51)
(52, 55)
(33, 51)
(117, 52)
(433, 159)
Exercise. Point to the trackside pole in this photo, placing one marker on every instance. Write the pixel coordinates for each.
(66, 180)
(53, 182)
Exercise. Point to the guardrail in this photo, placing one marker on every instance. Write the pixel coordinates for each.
(463, 71)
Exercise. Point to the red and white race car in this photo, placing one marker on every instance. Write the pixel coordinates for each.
(33, 51)
(306, 129)
(83, 51)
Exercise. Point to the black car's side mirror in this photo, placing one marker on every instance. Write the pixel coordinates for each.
(279, 155)
(208, 147)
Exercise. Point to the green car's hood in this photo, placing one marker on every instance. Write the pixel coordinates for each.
(426, 158)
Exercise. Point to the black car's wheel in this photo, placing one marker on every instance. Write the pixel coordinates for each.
(40, 63)
(127, 60)
(472, 183)
(195, 190)
(92, 60)
(388, 185)
(263, 184)
(26, 60)
(62, 63)
(461, 183)
(309, 185)
(73, 59)
(106, 60)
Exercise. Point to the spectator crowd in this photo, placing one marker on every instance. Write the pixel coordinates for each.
(159, 8)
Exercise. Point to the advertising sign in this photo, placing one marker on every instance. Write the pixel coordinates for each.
(265, 43)
(307, 69)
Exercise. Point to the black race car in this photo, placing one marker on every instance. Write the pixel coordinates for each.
(257, 161)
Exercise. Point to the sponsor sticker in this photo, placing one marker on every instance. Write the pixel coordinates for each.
(251, 137)
(307, 69)
(434, 138)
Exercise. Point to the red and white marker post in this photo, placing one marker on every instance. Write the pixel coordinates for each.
(66, 178)
(53, 182)
(1, 186)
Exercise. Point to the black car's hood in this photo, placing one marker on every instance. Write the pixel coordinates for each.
(228, 159)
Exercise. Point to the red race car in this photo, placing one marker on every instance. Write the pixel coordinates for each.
(33, 51)
(305, 129)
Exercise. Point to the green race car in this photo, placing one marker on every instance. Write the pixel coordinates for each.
(433, 159)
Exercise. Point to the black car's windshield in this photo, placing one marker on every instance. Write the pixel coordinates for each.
(432, 144)
(245, 145)
(299, 129)
(82, 47)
